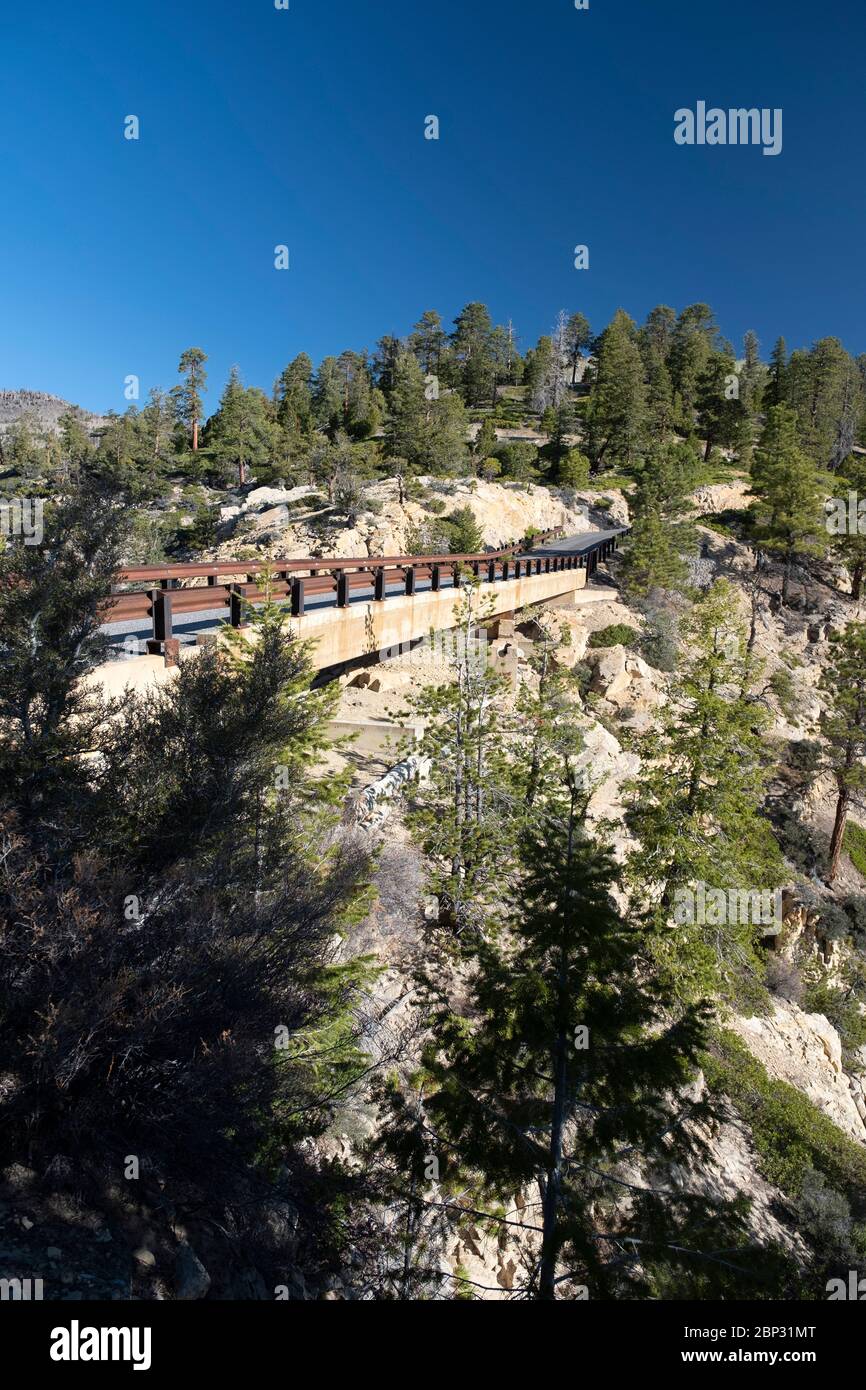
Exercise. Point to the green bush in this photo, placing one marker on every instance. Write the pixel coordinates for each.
(616, 635)
(855, 846)
(792, 1136)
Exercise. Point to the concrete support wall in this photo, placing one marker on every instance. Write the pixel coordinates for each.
(343, 634)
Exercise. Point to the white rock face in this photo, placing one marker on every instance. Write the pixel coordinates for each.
(607, 766)
(272, 496)
(805, 1050)
(624, 679)
(721, 497)
(504, 512)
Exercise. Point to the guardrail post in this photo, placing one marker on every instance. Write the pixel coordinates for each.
(476, 568)
(211, 581)
(435, 578)
(379, 584)
(491, 571)
(456, 576)
(235, 606)
(409, 571)
(505, 569)
(298, 598)
(161, 612)
(342, 589)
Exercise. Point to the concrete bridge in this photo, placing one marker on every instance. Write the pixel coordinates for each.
(351, 610)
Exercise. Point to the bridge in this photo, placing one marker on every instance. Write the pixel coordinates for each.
(351, 609)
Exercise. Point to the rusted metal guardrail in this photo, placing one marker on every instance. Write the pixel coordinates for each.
(295, 581)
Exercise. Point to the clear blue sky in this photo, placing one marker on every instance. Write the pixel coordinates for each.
(305, 127)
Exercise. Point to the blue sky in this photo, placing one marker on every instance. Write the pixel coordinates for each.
(306, 127)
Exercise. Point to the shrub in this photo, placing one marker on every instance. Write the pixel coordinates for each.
(573, 470)
(792, 1136)
(463, 532)
(855, 846)
(826, 1216)
(616, 635)
(782, 685)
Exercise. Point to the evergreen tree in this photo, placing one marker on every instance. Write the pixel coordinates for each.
(694, 338)
(427, 341)
(459, 821)
(444, 441)
(195, 1019)
(293, 397)
(578, 336)
(51, 598)
(188, 396)
(329, 396)
(789, 515)
(718, 403)
(695, 807)
(464, 534)
(844, 728)
(241, 433)
(617, 415)
(777, 389)
(473, 349)
(406, 429)
(661, 538)
(560, 1061)
(658, 331)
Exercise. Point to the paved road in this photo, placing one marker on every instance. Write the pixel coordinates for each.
(576, 545)
(130, 636)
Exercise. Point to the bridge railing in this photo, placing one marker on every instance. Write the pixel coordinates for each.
(297, 581)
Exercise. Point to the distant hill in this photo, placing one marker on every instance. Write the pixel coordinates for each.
(42, 410)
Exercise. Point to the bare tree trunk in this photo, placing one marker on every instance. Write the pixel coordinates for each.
(838, 835)
(195, 436)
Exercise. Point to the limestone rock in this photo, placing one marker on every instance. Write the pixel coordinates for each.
(805, 1050)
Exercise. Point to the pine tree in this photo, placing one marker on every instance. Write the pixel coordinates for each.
(789, 516)
(472, 343)
(661, 538)
(293, 397)
(188, 396)
(406, 430)
(241, 434)
(559, 1062)
(459, 821)
(844, 728)
(578, 336)
(693, 340)
(427, 341)
(617, 414)
(695, 807)
(777, 388)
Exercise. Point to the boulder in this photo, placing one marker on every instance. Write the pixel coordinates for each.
(274, 519)
(623, 679)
